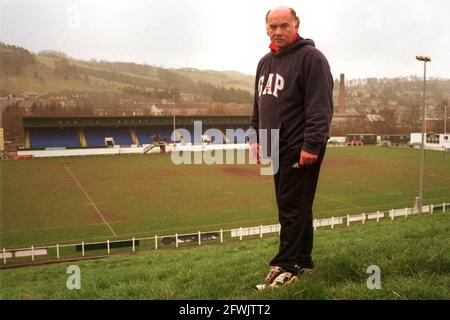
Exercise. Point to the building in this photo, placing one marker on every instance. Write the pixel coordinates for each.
(434, 141)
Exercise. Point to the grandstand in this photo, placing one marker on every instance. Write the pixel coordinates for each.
(54, 137)
(95, 136)
(147, 135)
(64, 136)
(49, 133)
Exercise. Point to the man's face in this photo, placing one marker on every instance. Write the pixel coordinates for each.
(281, 28)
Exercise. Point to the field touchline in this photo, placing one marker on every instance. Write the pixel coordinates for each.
(90, 200)
(339, 201)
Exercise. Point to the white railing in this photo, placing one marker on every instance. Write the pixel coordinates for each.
(156, 242)
(327, 222)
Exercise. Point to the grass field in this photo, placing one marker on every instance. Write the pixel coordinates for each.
(412, 254)
(68, 200)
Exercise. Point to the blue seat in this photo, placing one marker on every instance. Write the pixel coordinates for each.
(95, 137)
(54, 138)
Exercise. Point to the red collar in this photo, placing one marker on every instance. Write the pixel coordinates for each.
(276, 50)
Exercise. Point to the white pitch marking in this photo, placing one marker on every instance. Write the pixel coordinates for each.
(339, 201)
(89, 198)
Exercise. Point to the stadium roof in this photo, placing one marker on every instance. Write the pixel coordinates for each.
(120, 121)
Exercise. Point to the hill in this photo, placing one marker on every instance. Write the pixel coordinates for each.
(412, 255)
(50, 71)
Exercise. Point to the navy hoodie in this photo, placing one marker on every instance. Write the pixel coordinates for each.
(294, 93)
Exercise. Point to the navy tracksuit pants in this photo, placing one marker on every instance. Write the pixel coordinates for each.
(295, 189)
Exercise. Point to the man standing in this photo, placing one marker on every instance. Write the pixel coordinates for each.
(293, 93)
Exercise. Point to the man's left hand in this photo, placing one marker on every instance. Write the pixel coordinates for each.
(307, 158)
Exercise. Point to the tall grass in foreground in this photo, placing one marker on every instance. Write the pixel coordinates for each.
(413, 255)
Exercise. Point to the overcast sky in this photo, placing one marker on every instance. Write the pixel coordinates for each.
(361, 38)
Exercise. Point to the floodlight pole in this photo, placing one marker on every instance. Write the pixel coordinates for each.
(445, 119)
(422, 147)
(174, 134)
(174, 113)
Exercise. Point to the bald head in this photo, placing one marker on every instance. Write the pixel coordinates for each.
(284, 10)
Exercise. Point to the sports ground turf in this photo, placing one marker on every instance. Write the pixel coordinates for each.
(411, 253)
(67, 200)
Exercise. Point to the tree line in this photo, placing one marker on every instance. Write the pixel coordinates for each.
(215, 93)
(162, 89)
(13, 59)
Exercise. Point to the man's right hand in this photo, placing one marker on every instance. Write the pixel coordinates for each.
(307, 159)
(255, 153)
